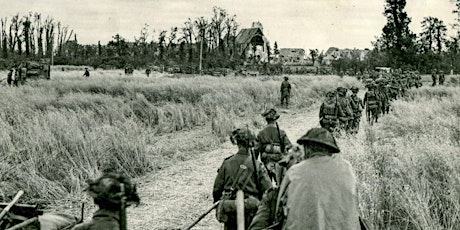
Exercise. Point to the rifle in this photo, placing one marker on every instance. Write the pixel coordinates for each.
(203, 215)
(283, 148)
(122, 207)
(8, 207)
(254, 165)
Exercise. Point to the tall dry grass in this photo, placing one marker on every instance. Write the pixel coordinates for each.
(408, 163)
(56, 134)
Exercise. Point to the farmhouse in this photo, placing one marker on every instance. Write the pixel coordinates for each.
(251, 43)
(292, 56)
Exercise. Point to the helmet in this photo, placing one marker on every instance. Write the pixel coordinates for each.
(286, 78)
(271, 114)
(243, 137)
(354, 89)
(106, 191)
(320, 136)
(330, 94)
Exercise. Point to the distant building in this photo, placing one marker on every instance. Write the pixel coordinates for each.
(334, 53)
(251, 43)
(291, 56)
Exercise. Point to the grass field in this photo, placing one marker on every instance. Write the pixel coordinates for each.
(408, 163)
(56, 134)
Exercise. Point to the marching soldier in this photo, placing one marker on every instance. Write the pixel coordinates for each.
(372, 103)
(240, 172)
(433, 77)
(346, 117)
(442, 77)
(273, 143)
(112, 192)
(285, 91)
(329, 112)
(357, 107)
(319, 192)
(86, 73)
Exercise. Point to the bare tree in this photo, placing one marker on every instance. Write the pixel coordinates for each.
(49, 35)
(4, 38)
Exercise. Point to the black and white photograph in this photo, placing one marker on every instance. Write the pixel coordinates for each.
(229, 114)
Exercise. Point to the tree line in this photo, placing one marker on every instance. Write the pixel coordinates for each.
(214, 38)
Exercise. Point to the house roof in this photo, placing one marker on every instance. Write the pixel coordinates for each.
(245, 35)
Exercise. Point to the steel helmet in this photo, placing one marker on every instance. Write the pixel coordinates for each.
(320, 136)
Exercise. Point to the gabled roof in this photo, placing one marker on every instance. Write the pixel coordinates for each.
(245, 35)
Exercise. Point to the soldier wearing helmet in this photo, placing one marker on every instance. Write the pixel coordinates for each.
(237, 172)
(372, 103)
(329, 112)
(107, 194)
(346, 118)
(273, 143)
(357, 107)
(320, 191)
(285, 91)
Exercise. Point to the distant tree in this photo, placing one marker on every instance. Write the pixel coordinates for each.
(161, 44)
(188, 34)
(275, 49)
(433, 36)
(397, 39)
(4, 39)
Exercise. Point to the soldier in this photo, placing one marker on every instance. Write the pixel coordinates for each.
(273, 143)
(346, 117)
(285, 91)
(372, 103)
(442, 77)
(382, 92)
(11, 78)
(433, 77)
(266, 217)
(107, 194)
(86, 74)
(357, 107)
(319, 192)
(329, 112)
(147, 72)
(237, 172)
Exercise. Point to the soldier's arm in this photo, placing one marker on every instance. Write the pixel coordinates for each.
(219, 184)
(264, 179)
(265, 211)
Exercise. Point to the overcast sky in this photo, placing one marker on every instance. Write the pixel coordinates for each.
(292, 23)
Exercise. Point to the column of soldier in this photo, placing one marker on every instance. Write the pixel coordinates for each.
(287, 188)
(342, 111)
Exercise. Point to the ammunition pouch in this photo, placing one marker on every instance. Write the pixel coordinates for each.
(227, 208)
(271, 157)
(273, 149)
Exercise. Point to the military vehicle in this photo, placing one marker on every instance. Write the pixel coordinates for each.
(30, 70)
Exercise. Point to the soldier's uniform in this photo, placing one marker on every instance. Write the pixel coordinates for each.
(229, 179)
(86, 74)
(357, 106)
(442, 77)
(346, 117)
(319, 192)
(285, 91)
(329, 112)
(372, 103)
(106, 192)
(433, 77)
(269, 144)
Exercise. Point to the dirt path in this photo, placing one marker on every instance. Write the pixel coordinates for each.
(174, 197)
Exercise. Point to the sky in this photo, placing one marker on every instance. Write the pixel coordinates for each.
(306, 24)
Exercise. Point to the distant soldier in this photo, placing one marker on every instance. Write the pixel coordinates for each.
(346, 117)
(147, 72)
(372, 103)
(273, 144)
(433, 77)
(285, 91)
(108, 195)
(442, 77)
(86, 74)
(357, 107)
(237, 172)
(11, 78)
(382, 92)
(329, 112)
